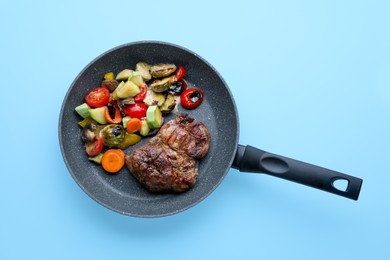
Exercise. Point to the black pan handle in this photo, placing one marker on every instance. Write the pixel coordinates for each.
(251, 159)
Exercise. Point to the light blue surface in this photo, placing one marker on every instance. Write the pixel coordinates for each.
(311, 81)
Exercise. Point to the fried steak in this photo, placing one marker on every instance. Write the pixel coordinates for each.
(168, 162)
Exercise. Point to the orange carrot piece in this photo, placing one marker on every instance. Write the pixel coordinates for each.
(113, 160)
(133, 125)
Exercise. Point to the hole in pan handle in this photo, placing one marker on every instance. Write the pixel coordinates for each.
(251, 159)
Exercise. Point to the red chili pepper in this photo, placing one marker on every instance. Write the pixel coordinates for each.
(95, 147)
(113, 113)
(141, 96)
(180, 73)
(98, 97)
(191, 98)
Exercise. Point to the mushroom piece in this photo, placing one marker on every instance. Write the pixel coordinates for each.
(89, 132)
(111, 84)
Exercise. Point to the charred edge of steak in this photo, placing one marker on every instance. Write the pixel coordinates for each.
(183, 119)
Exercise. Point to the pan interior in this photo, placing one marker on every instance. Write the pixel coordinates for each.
(121, 192)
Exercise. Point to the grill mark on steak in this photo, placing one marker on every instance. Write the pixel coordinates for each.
(168, 161)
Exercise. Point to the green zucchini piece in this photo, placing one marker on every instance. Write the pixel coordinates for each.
(137, 79)
(144, 131)
(114, 95)
(83, 110)
(124, 75)
(124, 120)
(97, 114)
(154, 117)
(129, 89)
(97, 159)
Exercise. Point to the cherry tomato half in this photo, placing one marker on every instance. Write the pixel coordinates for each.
(180, 73)
(137, 110)
(95, 147)
(112, 113)
(191, 98)
(98, 97)
(141, 95)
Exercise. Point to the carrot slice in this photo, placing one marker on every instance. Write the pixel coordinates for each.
(133, 125)
(113, 160)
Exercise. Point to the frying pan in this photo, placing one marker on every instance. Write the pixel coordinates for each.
(123, 194)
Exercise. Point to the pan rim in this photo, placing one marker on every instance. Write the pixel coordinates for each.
(68, 164)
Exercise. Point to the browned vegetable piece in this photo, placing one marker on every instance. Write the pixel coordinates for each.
(154, 98)
(168, 105)
(144, 69)
(162, 70)
(111, 84)
(90, 130)
(113, 135)
(161, 85)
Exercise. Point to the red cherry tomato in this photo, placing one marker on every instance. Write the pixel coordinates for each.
(95, 147)
(141, 96)
(98, 97)
(191, 98)
(180, 73)
(112, 113)
(137, 110)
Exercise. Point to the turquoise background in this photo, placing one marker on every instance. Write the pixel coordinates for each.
(311, 81)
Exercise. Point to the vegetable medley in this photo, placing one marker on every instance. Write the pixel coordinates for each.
(129, 106)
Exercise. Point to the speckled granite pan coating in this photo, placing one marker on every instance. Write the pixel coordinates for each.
(121, 192)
